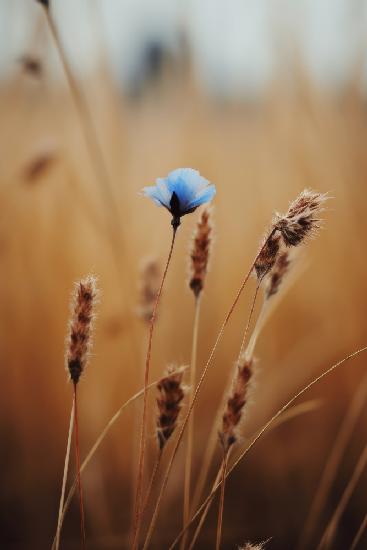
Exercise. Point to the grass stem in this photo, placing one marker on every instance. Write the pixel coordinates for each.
(77, 458)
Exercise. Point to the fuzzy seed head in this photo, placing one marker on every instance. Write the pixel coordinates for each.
(249, 546)
(302, 219)
(277, 274)
(148, 289)
(268, 255)
(200, 252)
(79, 339)
(169, 402)
(236, 403)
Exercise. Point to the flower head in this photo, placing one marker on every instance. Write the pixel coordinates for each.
(181, 192)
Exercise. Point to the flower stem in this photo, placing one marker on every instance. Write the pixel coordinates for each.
(151, 482)
(139, 483)
(190, 428)
(197, 390)
(221, 500)
(65, 475)
(77, 458)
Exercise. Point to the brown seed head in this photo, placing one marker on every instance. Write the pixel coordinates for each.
(148, 288)
(268, 255)
(200, 251)
(236, 403)
(79, 340)
(277, 274)
(302, 219)
(169, 404)
(249, 546)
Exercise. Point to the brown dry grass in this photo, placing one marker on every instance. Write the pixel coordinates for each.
(53, 230)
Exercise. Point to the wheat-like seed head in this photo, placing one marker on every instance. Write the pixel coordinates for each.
(200, 251)
(302, 219)
(268, 255)
(277, 274)
(171, 394)
(79, 340)
(249, 546)
(236, 403)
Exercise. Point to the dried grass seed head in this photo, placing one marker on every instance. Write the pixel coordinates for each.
(79, 340)
(302, 219)
(200, 251)
(169, 402)
(150, 277)
(249, 546)
(276, 276)
(268, 254)
(236, 403)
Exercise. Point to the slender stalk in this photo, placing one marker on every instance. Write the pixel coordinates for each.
(197, 390)
(64, 478)
(263, 430)
(139, 483)
(308, 406)
(330, 531)
(359, 533)
(77, 458)
(333, 462)
(152, 481)
(213, 438)
(221, 500)
(190, 427)
(95, 447)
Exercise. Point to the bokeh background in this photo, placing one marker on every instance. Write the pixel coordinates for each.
(265, 98)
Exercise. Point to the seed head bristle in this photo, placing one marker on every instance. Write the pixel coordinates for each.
(277, 274)
(148, 289)
(200, 251)
(171, 394)
(79, 339)
(236, 403)
(302, 219)
(268, 255)
(249, 546)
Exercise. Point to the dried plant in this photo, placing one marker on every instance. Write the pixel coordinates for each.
(169, 404)
(268, 254)
(302, 219)
(79, 339)
(150, 277)
(249, 546)
(277, 274)
(200, 252)
(78, 347)
(236, 403)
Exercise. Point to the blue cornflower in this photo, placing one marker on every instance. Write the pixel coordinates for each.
(181, 192)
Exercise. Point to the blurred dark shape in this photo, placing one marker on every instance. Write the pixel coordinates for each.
(45, 3)
(149, 67)
(37, 167)
(31, 65)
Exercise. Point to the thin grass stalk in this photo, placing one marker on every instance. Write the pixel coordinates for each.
(306, 407)
(95, 447)
(359, 533)
(64, 478)
(221, 500)
(197, 390)
(152, 481)
(213, 438)
(330, 531)
(77, 458)
(263, 430)
(89, 130)
(190, 427)
(333, 462)
(139, 483)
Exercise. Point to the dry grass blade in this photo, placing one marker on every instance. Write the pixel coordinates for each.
(330, 531)
(96, 446)
(359, 533)
(264, 429)
(333, 461)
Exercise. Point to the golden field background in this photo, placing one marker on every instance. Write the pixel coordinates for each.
(57, 224)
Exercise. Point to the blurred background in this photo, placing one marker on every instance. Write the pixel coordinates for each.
(264, 98)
